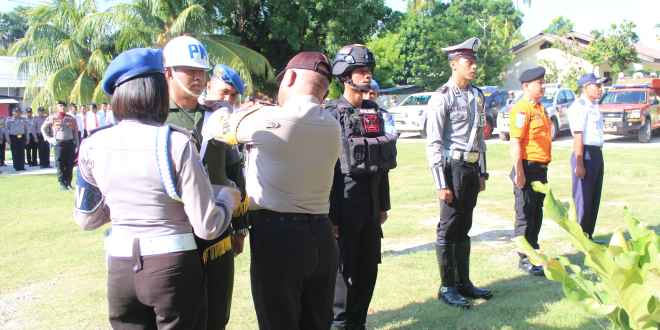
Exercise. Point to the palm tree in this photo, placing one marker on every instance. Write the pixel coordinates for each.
(69, 44)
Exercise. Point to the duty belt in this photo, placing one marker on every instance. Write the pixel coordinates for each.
(123, 246)
(466, 156)
(216, 250)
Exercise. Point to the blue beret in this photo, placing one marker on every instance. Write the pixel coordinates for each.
(590, 78)
(374, 85)
(230, 76)
(532, 74)
(131, 64)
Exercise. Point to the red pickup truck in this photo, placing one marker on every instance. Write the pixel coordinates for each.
(632, 106)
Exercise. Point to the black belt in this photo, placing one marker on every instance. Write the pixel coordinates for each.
(284, 217)
(533, 163)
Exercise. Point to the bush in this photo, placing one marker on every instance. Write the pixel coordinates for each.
(621, 281)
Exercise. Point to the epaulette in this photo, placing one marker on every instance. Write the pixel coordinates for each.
(481, 93)
(98, 129)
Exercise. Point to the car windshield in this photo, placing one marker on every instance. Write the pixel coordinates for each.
(548, 97)
(624, 97)
(416, 100)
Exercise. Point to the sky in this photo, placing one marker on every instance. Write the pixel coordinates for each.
(586, 14)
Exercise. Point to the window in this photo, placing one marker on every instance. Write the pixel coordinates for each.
(416, 100)
(624, 97)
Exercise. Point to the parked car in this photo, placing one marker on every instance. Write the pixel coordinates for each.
(556, 101)
(632, 107)
(495, 99)
(410, 115)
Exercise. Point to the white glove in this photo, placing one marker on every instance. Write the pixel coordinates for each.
(52, 141)
(218, 127)
(229, 196)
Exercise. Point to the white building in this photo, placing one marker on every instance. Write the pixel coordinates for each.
(542, 48)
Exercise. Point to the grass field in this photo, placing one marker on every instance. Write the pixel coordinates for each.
(52, 274)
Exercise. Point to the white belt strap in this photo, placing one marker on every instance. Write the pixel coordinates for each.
(123, 246)
(164, 162)
(475, 122)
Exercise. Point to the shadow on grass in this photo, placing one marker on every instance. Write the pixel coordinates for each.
(516, 303)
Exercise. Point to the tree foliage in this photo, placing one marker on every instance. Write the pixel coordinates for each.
(13, 25)
(615, 47)
(415, 56)
(281, 28)
(69, 43)
(560, 26)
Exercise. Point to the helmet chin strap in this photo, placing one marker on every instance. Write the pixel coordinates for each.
(185, 89)
(361, 88)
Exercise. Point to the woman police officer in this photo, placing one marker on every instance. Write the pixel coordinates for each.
(147, 180)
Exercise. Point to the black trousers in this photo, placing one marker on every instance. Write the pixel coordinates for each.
(219, 289)
(18, 151)
(587, 190)
(529, 203)
(2, 153)
(44, 151)
(456, 217)
(360, 253)
(293, 267)
(31, 150)
(168, 292)
(64, 153)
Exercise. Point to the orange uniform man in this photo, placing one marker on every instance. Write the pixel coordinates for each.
(531, 145)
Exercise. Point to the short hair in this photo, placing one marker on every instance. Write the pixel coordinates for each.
(41, 109)
(92, 105)
(144, 98)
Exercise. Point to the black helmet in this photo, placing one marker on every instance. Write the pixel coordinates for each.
(350, 57)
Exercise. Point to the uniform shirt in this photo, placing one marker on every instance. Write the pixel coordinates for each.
(584, 116)
(110, 118)
(30, 127)
(291, 155)
(91, 121)
(121, 162)
(450, 118)
(529, 123)
(2, 131)
(101, 119)
(60, 129)
(16, 126)
(80, 120)
(37, 123)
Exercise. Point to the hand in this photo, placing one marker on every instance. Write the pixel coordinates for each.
(383, 217)
(335, 231)
(51, 141)
(237, 243)
(519, 180)
(231, 195)
(446, 195)
(482, 183)
(580, 171)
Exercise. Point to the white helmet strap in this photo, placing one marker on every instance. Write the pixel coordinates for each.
(183, 86)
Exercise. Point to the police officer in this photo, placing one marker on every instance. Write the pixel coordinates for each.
(372, 95)
(42, 145)
(586, 124)
(291, 151)
(16, 130)
(531, 145)
(155, 277)
(186, 65)
(32, 143)
(3, 141)
(61, 131)
(456, 152)
(360, 196)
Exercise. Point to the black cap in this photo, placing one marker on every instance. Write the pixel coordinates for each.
(532, 74)
(313, 61)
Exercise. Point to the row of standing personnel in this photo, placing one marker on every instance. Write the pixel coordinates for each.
(313, 194)
(24, 138)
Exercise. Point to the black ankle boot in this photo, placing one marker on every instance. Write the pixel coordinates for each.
(465, 286)
(448, 291)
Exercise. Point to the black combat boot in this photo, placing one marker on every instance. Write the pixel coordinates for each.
(447, 264)
(465, 286)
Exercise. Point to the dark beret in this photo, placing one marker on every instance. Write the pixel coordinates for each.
(131, 64)
(532, 74)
